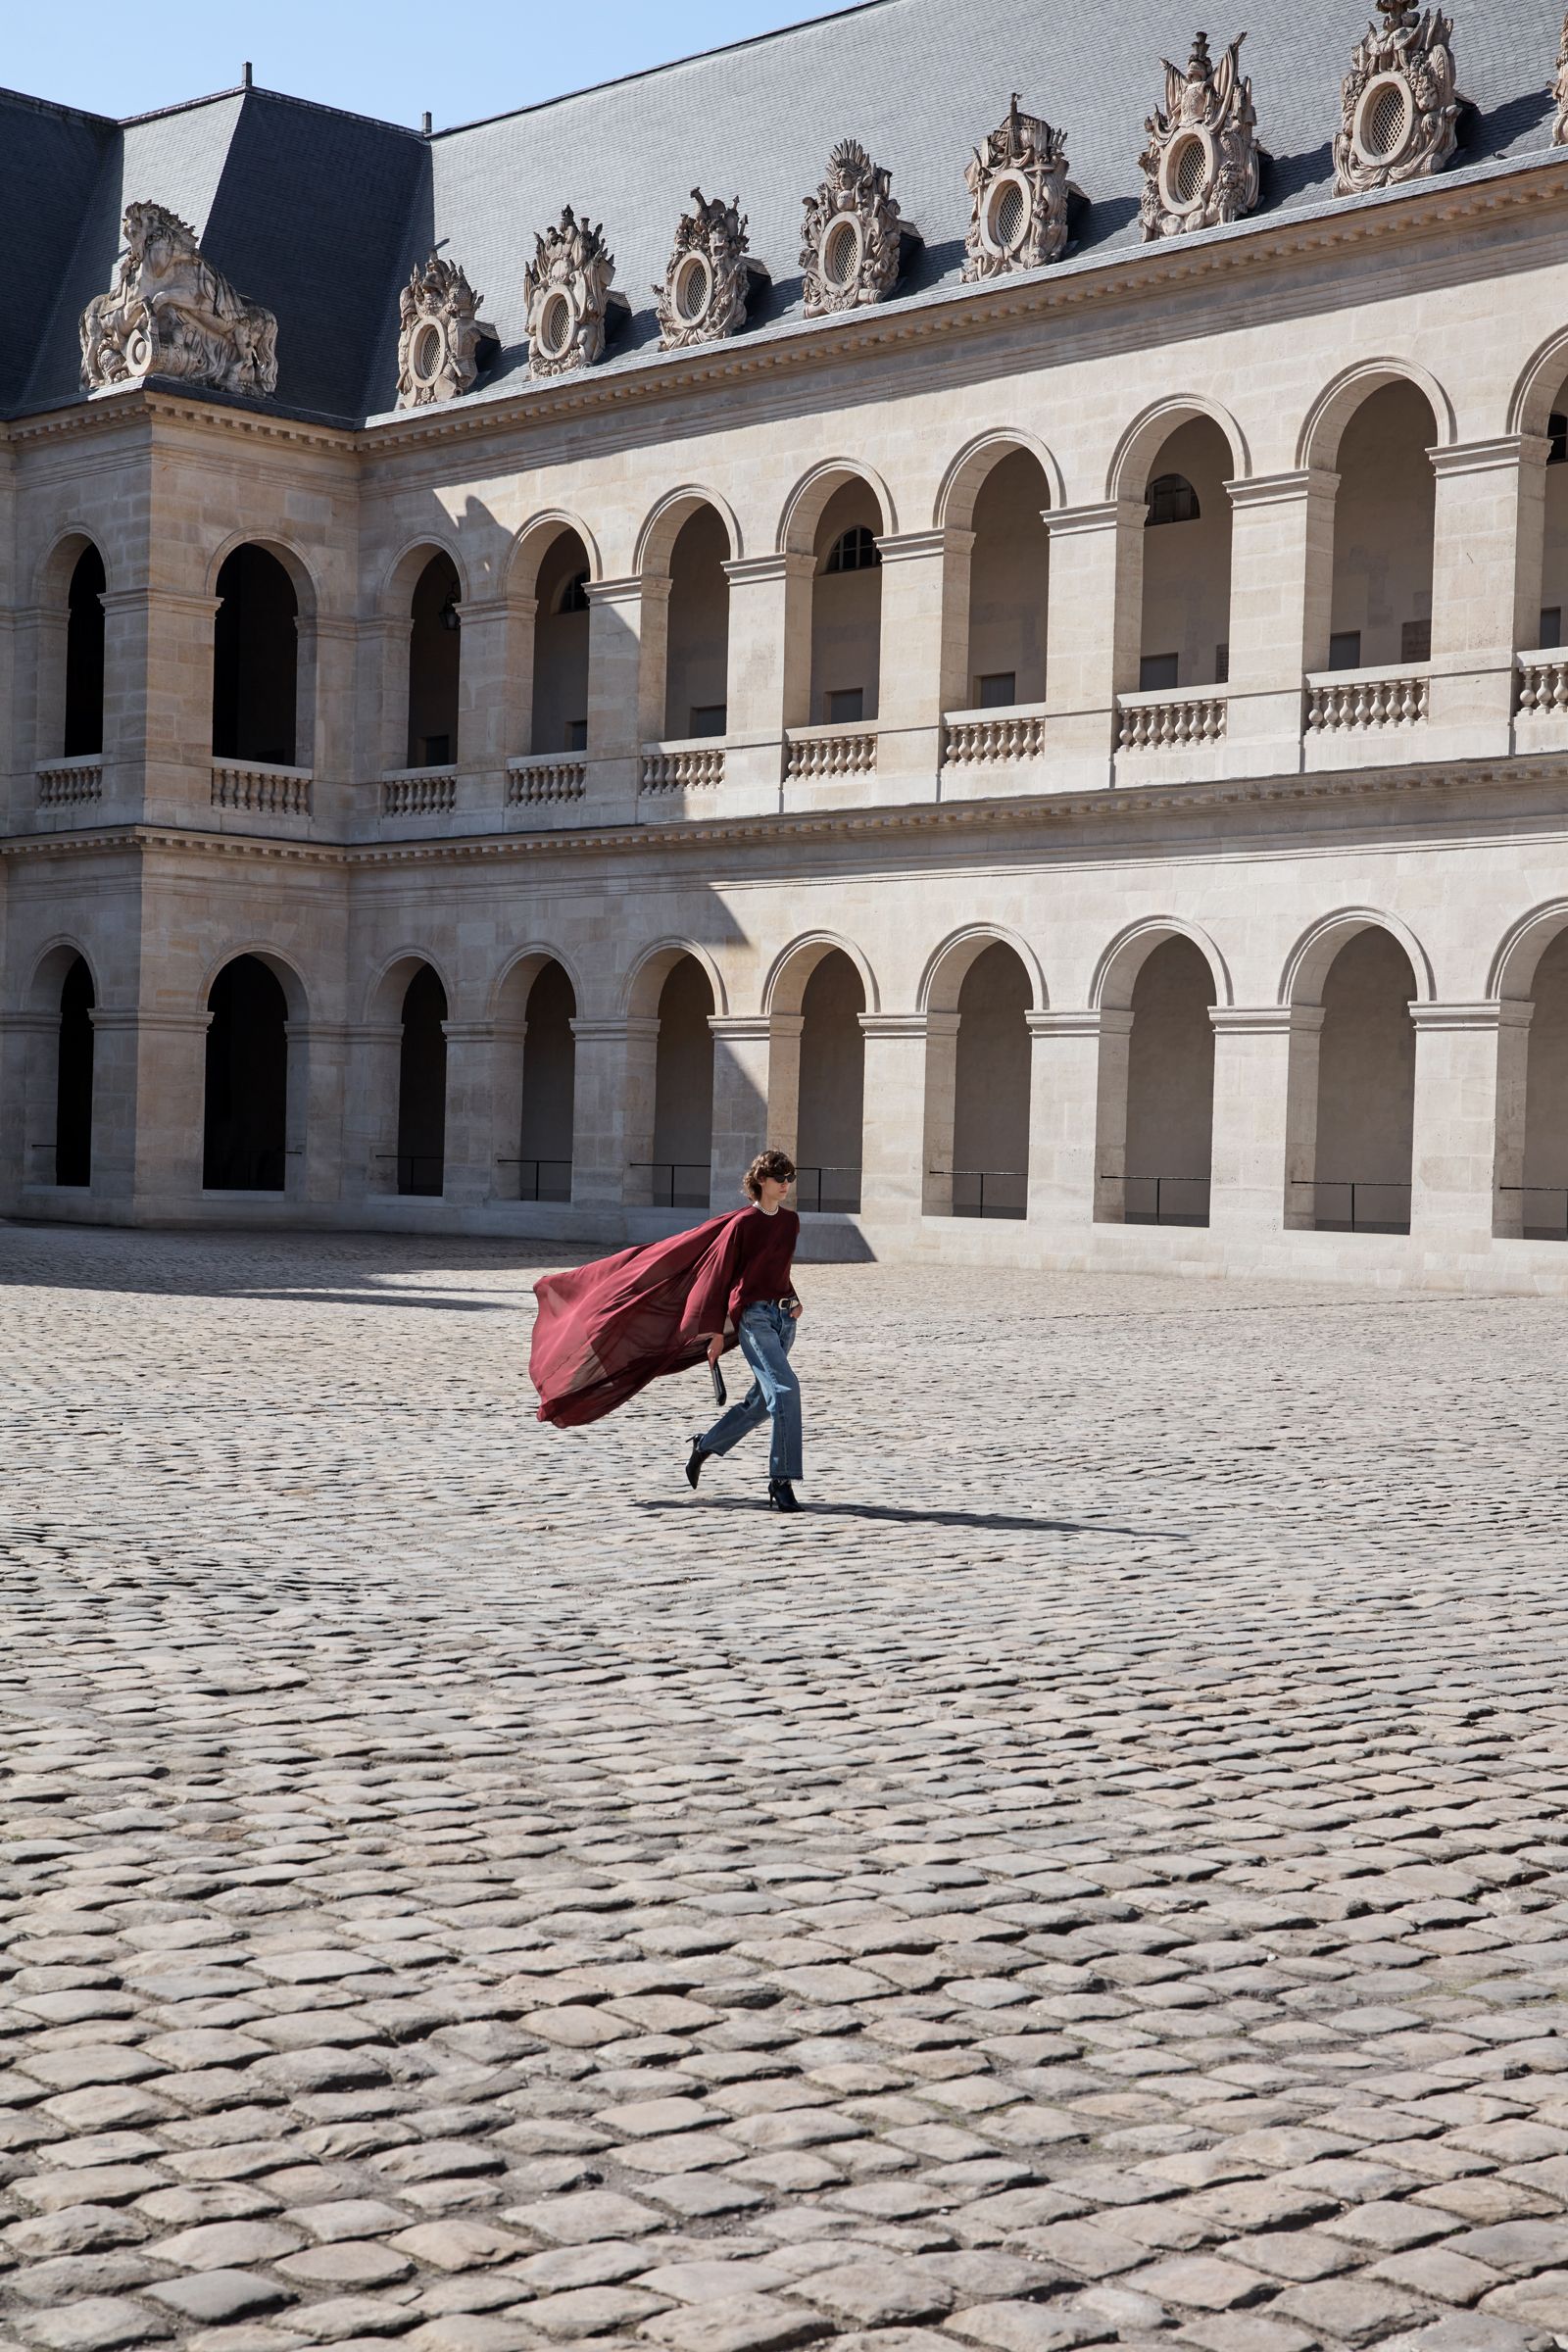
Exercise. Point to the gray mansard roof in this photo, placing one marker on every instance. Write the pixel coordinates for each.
(320, 214)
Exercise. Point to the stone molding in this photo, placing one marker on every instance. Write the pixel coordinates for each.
(906, 1024)
(169, 312)
(741, 1027)
(627, 1028)
(791, 565)
(441, 337)
(567, 290)
(1505, 450)
(853, 237)
(1107, 515)
(1201, 166)
(903, 547)
(1398, 104)
(1507, 1013)
(1017, 182)
(1265, 1020)
(1076, 1022)
(1283, 489)
(711, 279)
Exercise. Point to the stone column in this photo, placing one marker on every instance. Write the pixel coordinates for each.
(1469, 1115)
(157, 699)
(373, 1051)
(149, 1081)
(1264, 1056)
(621, 719)
(769, 683)
(28, 1069)
(1110, 1116)
(1092, 619)
(324, 739)
(941, 1101)
(1282, 581)
(317, 1086)
(384, 696)
(468, 1156)
(1475, 576)
(612, 1126)
(895, 1153)
(494, 692)
(784, 1080)
(1063, 1098)
(741, 1128)
(924, 654)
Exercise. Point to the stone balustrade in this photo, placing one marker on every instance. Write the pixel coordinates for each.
(697, 765)
(534, 783)
(1170, 720)
(830, 752)
(1542, 687)
(420, 792)
(261, 790)
(992, 738)
(1352, 700)
(69, 783)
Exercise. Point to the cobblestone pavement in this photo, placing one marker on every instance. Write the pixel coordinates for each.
(1098, 1878)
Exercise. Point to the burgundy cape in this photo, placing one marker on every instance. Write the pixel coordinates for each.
(605, 1330)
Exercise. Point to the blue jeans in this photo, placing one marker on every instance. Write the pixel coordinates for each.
(767, 1335)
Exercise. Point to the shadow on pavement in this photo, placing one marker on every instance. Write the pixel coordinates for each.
(1004, 1521)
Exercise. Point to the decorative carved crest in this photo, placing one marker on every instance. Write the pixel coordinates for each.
(1017, 182)
(169, 312)
(1200, 167)
(1399, 104)
(710, 276)
(566, 288)
(853, 237)
(1559, 91)
(440, 335)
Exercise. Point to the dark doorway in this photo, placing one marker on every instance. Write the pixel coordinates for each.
(245, 1133)
(436, 642)
(422, 1087)
(255, 660)
(549, 1088)
(73, 1081)
(84, 659)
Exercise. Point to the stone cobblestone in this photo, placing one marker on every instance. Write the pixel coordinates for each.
(1097, 1878)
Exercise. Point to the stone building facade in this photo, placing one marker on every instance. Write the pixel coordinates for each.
(1039, 687)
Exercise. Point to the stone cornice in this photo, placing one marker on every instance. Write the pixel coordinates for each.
(1218, 255)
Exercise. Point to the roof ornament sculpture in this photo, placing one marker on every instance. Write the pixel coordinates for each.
(1399, 104)
(441, 337)
(1017, 181)
(1201, 164)
(854, 239)
(169, 312)
(1559, 91)
(711, 279)
(568, 292)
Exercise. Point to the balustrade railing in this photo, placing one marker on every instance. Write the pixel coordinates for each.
(541, 1179)
(682, 766)
(830, 1191)
(66, 783)
(676, 1182)
(990, 739)
(1158, 722)
(1359, 701)
(420, 792)
(831, 752)
(535, 783)
(259, 790)
(1541, 685)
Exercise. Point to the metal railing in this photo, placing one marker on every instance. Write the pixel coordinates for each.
(665, 1182)
(422, 1174)
(1175, 1200)
(1353, 1193)
(1009, 1191)
(832, 1201)
(1559, 1191)
(536, 1188)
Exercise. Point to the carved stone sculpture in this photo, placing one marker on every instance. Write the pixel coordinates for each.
(1399, 104)
(711, 278)
(1017, 182)
(1559, 91)
(440, 335)
(169, 312)
(854, 237)
(567, 289)
(1200, 167)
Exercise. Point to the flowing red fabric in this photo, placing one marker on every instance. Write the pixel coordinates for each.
(605, 1330)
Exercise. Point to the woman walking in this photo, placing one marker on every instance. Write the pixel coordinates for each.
(605, 1330)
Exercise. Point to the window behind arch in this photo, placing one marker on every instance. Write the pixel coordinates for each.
(574, 597)
(1172, 499)
(855, 550)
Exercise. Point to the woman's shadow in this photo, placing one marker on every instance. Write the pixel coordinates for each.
(1002, 1522)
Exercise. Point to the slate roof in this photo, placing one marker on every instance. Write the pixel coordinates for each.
(322, 214)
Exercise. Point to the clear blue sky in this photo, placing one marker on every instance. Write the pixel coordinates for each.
(395, 58)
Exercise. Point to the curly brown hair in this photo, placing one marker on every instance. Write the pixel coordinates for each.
(777, 1165)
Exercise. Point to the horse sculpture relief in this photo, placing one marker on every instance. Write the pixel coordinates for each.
(169, 312)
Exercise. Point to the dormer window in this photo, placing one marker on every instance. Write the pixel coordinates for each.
(1172, 499)
(853, 551)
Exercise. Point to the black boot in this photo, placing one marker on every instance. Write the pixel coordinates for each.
(780, 1496)
(693, 1462)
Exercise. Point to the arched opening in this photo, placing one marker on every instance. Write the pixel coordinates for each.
(422, 1087)
(990, 1087)
(831, 1116)
(1186, 626)
(1545, 1197)
(847, 607)
(1554, 543)
(245, 1129)
(1009, 576)
(697, 657)
(683, 1089)
(435, 654)
(1360, 1179)
(1170, 1089)
(84, 659)
(1381, 605)
(560, 649)
(549, 1087)
(74, 1078)
(255, 660)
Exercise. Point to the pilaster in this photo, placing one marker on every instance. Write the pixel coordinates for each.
(1469, 1122)
(1092, 629)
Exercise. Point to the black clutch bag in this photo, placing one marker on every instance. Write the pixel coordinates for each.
(721, 1393)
